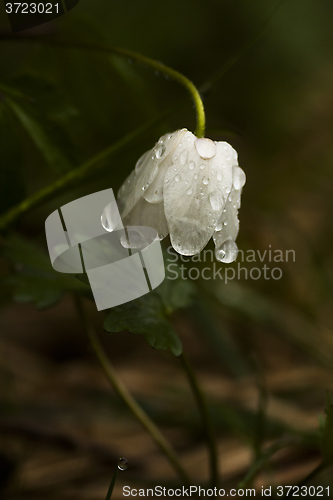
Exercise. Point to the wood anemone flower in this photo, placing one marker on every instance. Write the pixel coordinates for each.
(189, 188)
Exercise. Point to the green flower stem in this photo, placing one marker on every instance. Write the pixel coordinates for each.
(134, 56)
(111, 487)
(205, 418)
(128, 399)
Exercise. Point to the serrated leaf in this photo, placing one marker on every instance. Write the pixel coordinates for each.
(150, 315)
(145, 316)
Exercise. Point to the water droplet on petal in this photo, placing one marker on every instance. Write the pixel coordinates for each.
(196, 176)
(215, 199)
(144, 187)
(191, 165)
(205, 181)
(189, 191)
(183, 157)
(227, 252)
(225, 223)
(122, 463)
(219, 176)
(175, 158)
(239, 177)
(160, 151)
(202, 166)
(206, 148)
(177, 178)
(133, 239)
(218, 226)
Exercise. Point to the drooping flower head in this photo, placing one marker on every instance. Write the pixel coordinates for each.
(189, 188)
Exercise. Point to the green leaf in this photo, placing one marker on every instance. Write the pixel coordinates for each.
(41, 132)
(33, 279)
(326, 432)
(150, 315)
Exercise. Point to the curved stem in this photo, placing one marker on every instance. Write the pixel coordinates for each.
(205, 418)
(129, 54)
(126, 396)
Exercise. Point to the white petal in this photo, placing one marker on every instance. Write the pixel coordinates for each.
(193, 199)
(227, 228)
(147, 214)
(145, 172)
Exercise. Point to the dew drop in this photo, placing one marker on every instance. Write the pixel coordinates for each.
(189, 191)
(191, 165)
(175, 158)
(122, 463)
(160, 151)
(144, 187)
(227, 252)
(133, 239)
(225, 223)
(215, 200)
(239, 177)
(228, 157)
(177, 178)
(206, 148)
(219, 176)
(196, 176)
(219, 227)
(228, 190)
(205, 181)
(202, 166)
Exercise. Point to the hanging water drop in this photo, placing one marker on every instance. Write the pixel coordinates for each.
(177, 178)
(227, 252)
(122, 463)
(205, 181)
(191, 165)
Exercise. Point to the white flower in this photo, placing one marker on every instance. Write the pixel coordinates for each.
(189, 188)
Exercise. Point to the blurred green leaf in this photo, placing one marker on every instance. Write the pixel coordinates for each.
(37, 128)
(33, 278)
(12, 188)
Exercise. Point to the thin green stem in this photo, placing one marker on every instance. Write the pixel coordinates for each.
(126, 396)
(111, 487)
(128, 54)
(205, 418)
(82, 172)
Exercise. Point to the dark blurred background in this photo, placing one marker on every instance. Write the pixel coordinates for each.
(263, 349)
